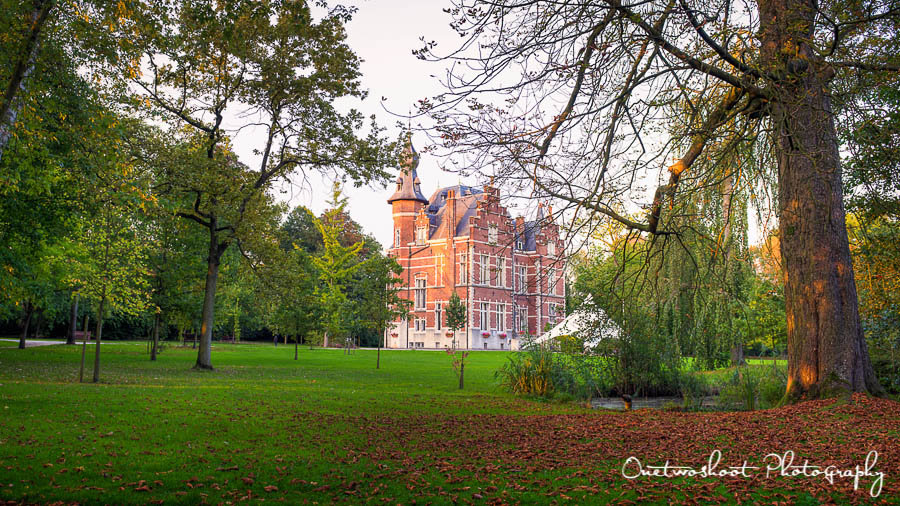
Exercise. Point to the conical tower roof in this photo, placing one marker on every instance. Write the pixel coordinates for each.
(408, 180)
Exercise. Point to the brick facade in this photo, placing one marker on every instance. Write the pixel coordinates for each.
(508, 272)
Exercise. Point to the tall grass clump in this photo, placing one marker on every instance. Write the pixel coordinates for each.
(752, 388)
(539, 371)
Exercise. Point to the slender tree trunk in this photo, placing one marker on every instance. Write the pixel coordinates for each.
(296, 346)
(38, 325)
(84, 339)
(29, 311)
(827, 353)
(11, 101)
(204, 354)
(98, 338)
(73, 321)
(378, 353)
(462, 370)
(155, 339)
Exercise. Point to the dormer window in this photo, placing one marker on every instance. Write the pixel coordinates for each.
(520, 244)
(421, 235)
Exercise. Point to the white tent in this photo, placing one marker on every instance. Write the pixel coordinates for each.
(588, 322)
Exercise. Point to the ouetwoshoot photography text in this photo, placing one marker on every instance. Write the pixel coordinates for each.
(784, 465)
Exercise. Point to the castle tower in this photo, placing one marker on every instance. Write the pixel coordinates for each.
(407, 201)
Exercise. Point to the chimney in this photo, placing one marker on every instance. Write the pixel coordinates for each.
(451, 214)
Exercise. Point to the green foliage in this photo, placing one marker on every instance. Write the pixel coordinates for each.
(456, 314)
(540, 372)
(751, 388)
(335, 265)
(377, 294)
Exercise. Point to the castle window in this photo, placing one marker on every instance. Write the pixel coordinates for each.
(501, 317)
(421, 235)
(485, 316)
(485, 273)
(522, 320)
(420, 324)
(551, 248)
(520, 244)
(501, 266)
(437, 315)
(397, 237)
(551, 280)
(492, 234)
(522, 278)
(462, 269)
(420, 293)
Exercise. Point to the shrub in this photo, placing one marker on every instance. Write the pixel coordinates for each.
(539, 371)
(888, 373)
(752, 388)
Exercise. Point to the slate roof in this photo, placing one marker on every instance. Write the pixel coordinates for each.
(467, 198)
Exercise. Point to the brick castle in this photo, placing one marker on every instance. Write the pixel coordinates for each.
(508, 272)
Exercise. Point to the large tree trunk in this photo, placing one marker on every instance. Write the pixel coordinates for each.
(204, 354)
(155, 342)
(827, 352)
(73, 321)
(98, 337)
(29, 311)
(11, 101)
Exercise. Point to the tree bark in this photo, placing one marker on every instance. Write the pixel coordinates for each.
(462, 370)
(827, 353)
(204, 354)
(155, 339)
(29, 311)
(98, 337)
(296, 346)
(84, 338)
(737, 354)
(11, 100)
(73, 321)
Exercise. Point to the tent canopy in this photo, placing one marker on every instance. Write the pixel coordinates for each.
(588, 322)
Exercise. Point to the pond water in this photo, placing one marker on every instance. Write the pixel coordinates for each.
(616, 403)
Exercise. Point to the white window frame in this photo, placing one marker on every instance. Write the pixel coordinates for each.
(523, 278)
(420, 292)
(501, 316)
(438, 315)
(485, 269)
(551, 248)
(493, 233)
(484, 316)
(522, 320)
(420, 324)
(501, 266)
(462, 268)
(421, 235)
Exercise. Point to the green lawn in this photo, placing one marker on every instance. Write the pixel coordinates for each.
(330, 428)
